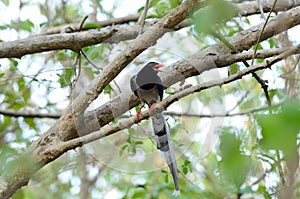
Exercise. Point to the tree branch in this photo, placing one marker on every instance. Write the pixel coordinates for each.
(215, 56)
(47, 147)
(59, 137)
(29, 114)
(127, 123)
(262, 54)
(227, 114)
(76, 41)
(109, 22)
(243, 9)
(72, 41)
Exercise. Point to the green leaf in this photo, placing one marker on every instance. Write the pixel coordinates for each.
(218, 11)
(27, 94)
(6, 2)
(27, 25)
(6, 122)
(186, 163)
(154, 3)
(14, 65)
(184, 170)
(131, 131)
(6, 152)
(2, 75)
(30, 122)
(247, 20)
(186, 167)
(132, 148)
(139, 194)
(4, 27)
(263, 190)
(122, 149)
(19, 194)
(233, 69)
(90, 73)
(280, 130)
(18, 105)
(271, 42)
(232, 159)
(115, 121)
(140, 9)
(92, 26)
(174, 3)
(21, 84)
(139, 142)
(161, 7)
(66, 78)
(107, 89)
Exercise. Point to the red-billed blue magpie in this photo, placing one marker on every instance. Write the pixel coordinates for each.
(148, 87)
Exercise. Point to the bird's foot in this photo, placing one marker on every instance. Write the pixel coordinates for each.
(152, 106)
(138, 114)
(156, 108)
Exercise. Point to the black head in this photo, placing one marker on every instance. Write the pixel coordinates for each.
(147, 77)
(152, 67)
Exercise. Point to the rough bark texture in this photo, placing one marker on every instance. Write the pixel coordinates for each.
(60, 138)
(47, 147)
(72, 41)
(76, 41)
(212, 57)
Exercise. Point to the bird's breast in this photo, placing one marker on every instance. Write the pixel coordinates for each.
(149, 96)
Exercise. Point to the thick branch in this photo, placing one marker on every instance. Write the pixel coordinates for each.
(127, 123)
(215, 56)
(76, 41)
(262, 54)
(47, 147)
(243, 9)
(72, 41)
(109, 22)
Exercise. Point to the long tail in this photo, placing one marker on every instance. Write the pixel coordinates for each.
(165, 146)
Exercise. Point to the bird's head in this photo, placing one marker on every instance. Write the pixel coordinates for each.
(155, 66)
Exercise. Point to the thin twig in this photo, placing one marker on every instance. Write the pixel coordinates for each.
(261, 32)
(247, 112)
(281, 174)
(82, 22)
(99, 69)
(142, 18)
(258, 79)
(28, 114)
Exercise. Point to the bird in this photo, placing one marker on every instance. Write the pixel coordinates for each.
(148, 87)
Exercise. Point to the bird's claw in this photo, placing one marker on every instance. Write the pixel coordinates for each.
(152, 106)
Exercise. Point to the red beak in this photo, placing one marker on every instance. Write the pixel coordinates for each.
(157, 66)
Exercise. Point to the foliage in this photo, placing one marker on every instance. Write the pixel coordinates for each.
(218, 157)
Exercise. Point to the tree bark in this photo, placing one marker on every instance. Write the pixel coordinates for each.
(47, 147)
(53, 143)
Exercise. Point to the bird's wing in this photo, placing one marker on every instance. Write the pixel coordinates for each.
(160, 91)
(133, 85)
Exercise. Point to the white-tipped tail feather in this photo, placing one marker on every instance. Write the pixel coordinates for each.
(165, 146)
